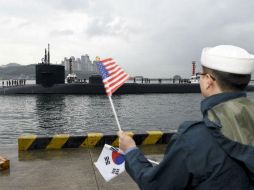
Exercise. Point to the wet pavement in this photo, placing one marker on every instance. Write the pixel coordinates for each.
(71, 169)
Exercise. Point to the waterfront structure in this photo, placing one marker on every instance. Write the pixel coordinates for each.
(194, 77)
(83, 64)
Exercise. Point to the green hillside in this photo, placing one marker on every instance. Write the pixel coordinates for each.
(17, 72)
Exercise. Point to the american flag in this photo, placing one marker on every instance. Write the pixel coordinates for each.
(113, 76)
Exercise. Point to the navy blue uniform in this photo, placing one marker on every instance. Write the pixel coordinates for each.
(198, 157)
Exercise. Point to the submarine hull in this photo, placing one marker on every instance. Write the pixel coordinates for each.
(97, 89)
(79, 88)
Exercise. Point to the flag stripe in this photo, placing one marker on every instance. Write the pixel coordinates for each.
(112, 71)
(109, 64)
(115, 81)
(111, 67)
(114, 78)
(115, 87)
(112, 74)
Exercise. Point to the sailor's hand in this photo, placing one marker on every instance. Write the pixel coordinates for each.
(125, 141)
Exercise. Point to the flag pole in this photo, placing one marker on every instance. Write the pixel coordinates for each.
(153, 162)
(114, 111)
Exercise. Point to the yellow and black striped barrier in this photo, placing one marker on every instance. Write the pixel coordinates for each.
(31, 142)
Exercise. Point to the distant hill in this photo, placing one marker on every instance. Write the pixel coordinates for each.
(11, 65)
(17, 71)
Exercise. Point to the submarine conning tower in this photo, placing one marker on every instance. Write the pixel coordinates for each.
(95, 79)
(49, 74)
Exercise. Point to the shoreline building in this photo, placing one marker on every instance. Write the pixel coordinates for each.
(81, 66)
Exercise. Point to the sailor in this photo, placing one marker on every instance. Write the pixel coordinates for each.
(216, 152)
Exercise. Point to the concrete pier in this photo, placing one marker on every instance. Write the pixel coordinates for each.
(71, 169)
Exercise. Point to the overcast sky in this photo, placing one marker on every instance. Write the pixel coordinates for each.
(153, 38)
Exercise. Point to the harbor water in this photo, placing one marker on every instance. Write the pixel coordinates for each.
(79, 114)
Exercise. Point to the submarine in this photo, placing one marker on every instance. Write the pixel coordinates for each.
(50, 79)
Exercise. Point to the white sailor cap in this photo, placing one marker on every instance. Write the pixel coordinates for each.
(228, 58)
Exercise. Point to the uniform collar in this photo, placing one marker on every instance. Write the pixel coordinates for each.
(216, 99)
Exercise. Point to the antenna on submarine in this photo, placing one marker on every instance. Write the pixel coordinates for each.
(48, 54)
(46, 57)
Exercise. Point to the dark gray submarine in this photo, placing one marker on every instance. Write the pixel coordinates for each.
(50, 79)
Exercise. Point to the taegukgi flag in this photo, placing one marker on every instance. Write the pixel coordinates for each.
(110, 162)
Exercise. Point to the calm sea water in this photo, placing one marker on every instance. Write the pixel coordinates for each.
(79, 114)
